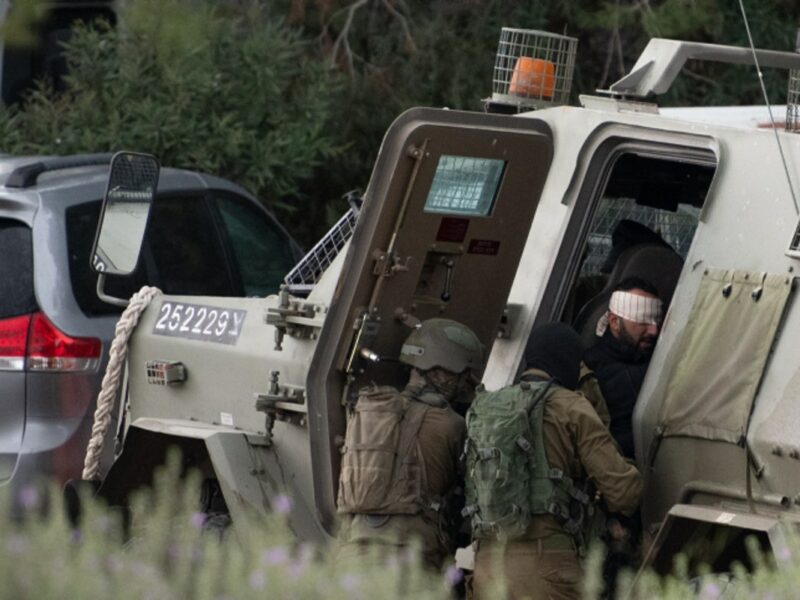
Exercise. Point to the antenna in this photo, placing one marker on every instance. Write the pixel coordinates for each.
(769, 107)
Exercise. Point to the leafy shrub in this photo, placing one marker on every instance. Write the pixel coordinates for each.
(232, 93)
(168, 553)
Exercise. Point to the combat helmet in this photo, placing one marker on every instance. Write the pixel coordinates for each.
(443, 343)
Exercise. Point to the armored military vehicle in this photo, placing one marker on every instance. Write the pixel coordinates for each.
(504, 221)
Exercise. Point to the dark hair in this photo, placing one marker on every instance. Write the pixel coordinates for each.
(631, 283)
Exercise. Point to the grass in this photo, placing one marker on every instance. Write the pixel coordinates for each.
(168, 554)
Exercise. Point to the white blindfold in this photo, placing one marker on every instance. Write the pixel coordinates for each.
(631, 307)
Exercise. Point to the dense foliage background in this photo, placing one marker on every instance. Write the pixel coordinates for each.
(291, 97)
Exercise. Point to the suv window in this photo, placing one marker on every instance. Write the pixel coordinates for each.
(188, 250)
(16, 269)
(183, 243)
(262, 251)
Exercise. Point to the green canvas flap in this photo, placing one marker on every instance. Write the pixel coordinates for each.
(715, 373)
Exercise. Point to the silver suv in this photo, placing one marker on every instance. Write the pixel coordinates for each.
(206, 236)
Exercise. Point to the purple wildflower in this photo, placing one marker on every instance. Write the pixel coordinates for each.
(75, 535)
(282, 504)
(29, 497)
(197, 520)
(710, 591)
(275, 556)
(453, 575)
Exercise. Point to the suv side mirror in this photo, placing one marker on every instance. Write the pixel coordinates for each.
(131, 188)
(132, 182)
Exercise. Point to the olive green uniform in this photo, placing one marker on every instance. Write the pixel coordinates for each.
(544, 563)
(590, 387)
(440, 442)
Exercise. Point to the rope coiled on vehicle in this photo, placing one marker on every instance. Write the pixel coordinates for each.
(118, 352)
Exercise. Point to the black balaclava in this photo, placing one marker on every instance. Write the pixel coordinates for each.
(556, 349)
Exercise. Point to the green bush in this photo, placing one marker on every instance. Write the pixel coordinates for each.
(169, 554)
(235, 94)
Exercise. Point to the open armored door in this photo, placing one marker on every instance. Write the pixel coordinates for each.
(443, 225)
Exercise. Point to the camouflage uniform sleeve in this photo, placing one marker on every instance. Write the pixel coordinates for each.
(617, 480)
(590, 388)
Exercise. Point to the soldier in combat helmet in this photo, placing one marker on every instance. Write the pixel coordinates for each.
(401, 454)
(533, 481)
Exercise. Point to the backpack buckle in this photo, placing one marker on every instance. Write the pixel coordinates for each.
(555, 510)
(465, 451)
(524, 445)
(555, 474)
(488, 453)
(581, 497)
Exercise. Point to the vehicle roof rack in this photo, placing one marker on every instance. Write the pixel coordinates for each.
(662, 61)
(26, 175)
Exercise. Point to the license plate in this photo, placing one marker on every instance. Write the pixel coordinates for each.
(199, 322)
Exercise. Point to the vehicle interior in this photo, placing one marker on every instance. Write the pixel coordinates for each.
(641, 225)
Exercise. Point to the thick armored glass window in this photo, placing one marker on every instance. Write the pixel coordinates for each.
(464, 185)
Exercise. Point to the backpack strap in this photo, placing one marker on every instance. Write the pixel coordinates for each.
(562, 492)
(412, 467)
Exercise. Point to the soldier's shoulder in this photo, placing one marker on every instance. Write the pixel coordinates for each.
(561, 395)
(569, 401)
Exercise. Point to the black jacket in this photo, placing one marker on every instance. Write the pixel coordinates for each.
(620, 371)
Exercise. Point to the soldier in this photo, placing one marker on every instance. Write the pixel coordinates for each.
(385, 501)
(628, 333)
(530, 501)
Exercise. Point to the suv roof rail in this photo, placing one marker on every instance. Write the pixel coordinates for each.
(26, 175)
(662, 61)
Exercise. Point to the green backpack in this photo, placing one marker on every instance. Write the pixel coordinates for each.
(508, 477)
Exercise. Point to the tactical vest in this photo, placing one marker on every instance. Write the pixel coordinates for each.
(508, 478)
(382, 471)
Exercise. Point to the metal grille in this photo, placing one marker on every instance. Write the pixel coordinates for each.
(676, 228)
(533, 69)
(133, 177)
(793, 102)
(307, 272)
(464, 185)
